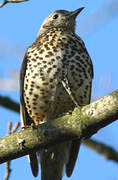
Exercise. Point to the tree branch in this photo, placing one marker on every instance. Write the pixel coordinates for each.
(8, 163)
(107, 151)
(11, 1)
(9, 104)
(83, 123)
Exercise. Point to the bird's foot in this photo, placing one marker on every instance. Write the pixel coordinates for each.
(68, 113)
(29, 126)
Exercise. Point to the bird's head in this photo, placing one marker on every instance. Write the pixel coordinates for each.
(62, 19)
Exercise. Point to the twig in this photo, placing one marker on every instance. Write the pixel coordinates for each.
(15, 128)
(107, 151)
(11, 1)
(10, 104)
(8, 163)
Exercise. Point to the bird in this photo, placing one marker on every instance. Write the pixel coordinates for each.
(55, 77)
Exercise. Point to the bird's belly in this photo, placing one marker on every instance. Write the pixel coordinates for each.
(46, 100)
(40, 86)
(38, 98)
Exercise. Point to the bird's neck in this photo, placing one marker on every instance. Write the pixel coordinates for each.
(56, 30)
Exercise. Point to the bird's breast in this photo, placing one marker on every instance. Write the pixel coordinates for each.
(42, 79)
(49, 60)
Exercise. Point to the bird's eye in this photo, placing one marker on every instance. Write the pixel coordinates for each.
(55, 16)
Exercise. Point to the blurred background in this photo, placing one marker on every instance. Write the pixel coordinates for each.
(97, 25)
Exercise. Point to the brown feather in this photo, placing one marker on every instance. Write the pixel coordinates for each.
(72, 157)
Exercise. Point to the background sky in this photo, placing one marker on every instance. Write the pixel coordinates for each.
(97, 25)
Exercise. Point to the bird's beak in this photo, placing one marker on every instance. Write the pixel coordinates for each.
(76, 12)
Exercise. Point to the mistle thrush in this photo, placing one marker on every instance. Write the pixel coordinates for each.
(56, 75)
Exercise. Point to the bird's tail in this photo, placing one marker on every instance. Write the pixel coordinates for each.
(33, 163)
(53, 160)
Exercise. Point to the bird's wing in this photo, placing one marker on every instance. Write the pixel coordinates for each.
(66, 84)
(26, 120)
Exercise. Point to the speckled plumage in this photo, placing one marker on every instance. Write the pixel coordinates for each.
(56, 75)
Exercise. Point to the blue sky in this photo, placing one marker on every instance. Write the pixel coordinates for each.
(98, 27)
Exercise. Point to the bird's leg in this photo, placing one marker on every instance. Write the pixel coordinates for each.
(68, 90)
